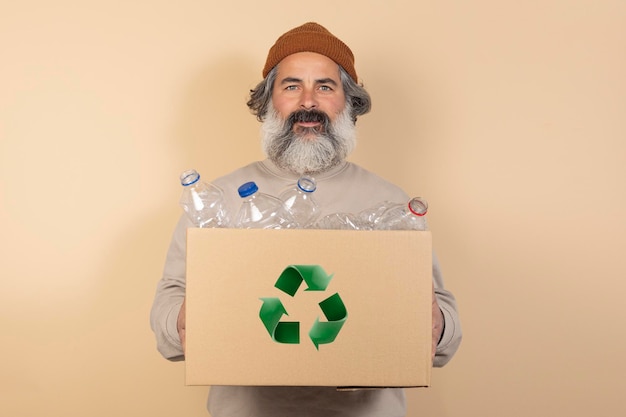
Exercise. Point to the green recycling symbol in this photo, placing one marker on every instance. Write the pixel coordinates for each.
(289, 281)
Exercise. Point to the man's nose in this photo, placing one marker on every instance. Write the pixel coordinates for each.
(308, 100)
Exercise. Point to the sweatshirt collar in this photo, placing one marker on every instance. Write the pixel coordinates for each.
(282, 173)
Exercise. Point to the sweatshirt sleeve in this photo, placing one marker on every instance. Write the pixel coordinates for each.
(169, 296)
(452, 335)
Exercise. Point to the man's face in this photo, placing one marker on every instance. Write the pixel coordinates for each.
(308, 81)
(308, 128)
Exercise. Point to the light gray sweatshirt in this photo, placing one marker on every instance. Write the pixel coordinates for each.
(346, 188)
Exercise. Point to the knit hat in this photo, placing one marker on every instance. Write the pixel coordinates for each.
(311, 37)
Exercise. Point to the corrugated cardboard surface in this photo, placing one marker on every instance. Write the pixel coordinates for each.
(384, 279)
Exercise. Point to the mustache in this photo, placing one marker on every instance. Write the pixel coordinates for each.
(308, 116)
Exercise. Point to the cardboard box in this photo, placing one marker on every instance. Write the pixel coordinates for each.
(308, 307)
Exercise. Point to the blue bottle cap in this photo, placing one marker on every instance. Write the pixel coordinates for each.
(247, 189)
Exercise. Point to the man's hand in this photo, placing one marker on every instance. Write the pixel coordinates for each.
(180, 325)
(437, 325)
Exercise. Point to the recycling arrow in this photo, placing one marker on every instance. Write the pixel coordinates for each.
(289, 281)
(283, 332)
(336, 314)
(314, 276)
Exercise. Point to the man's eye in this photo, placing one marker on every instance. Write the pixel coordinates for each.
(325, 88)
(291, 87)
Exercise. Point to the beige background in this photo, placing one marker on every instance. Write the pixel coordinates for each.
(508, 116)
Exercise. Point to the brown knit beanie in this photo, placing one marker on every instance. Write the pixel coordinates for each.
(311, 37)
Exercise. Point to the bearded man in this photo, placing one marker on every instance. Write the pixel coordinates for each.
(308, 101)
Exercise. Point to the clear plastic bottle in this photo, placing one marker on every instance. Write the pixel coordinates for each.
(407, 216)
(300, 203)
(370, 215)
(261, 211)
(341, 221)
(203, 202)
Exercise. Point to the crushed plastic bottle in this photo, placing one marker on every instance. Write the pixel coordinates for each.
(370, 215)
(203, 202)
(406, 216)
(341, 221)
(300, 203)
(261, 211)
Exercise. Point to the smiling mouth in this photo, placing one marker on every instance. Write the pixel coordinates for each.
(308, 127)
(308, 124)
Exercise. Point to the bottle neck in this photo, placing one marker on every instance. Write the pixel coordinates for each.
(190, 177)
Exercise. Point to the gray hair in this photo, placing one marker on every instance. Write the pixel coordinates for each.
(356, 95)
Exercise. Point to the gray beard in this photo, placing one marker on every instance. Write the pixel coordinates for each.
(311, 151)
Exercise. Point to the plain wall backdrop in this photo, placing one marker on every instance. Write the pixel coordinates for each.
(508, 116)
